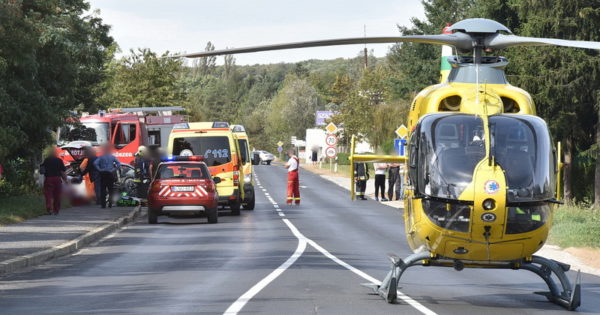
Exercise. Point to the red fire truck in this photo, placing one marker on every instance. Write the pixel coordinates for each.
(126, 129)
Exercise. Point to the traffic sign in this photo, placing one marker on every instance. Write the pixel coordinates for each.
(330, 152)
(279, 149)
(400, 146)
(279, 144)
(331, 140)
(331, 128)
(293, 140)
(402, 131)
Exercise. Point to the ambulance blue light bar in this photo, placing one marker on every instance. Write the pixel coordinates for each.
(220, 124)
(238, 128)
(179, 158)
(181, 126)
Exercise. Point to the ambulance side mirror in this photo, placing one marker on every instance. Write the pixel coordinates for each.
(216, 179)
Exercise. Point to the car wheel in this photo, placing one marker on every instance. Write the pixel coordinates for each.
(268, 162)
(152, 217)
(212, 215)
(235, 206)
(249, 205)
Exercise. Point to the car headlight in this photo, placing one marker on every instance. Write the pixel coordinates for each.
(248, 178)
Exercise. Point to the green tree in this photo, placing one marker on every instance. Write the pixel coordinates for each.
(293, 109)
(420, 63)
(143, 79)
(52, 58)
(563, 81)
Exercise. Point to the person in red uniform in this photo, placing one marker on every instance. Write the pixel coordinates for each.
(293, 187)
(53, 170)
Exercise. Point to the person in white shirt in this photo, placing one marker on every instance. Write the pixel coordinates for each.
(380, 169)
(293, 187)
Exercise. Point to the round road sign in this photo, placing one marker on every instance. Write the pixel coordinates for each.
(331, 140)
(330, 152)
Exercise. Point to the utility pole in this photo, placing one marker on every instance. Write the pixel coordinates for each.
(365, 50)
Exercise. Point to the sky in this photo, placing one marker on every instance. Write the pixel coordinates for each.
(186, 25)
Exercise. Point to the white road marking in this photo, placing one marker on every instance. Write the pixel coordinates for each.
(242, 300)
(302, 242)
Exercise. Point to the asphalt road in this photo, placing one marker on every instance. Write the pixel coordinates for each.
(298, 260)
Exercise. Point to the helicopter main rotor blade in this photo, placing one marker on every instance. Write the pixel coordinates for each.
(501, 41)
(460, 40)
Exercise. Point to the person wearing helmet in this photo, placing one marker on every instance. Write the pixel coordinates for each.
(142, 165)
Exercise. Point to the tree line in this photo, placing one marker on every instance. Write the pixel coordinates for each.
(78, 71)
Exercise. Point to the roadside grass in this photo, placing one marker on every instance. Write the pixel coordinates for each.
(574, 226)
(17, 209)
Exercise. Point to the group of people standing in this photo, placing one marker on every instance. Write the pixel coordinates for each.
(99, 172)
(395, 180)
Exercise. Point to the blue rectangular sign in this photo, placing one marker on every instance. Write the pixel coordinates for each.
(400, 146)
(322, 116)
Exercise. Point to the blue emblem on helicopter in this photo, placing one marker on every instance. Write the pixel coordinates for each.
(491, 187)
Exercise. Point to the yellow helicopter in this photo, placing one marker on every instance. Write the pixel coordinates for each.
(483, 171)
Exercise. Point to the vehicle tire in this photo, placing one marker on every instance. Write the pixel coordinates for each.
(130, 187)
(268, 162)
(212, 215)
(152, 217)
(249, 205)
(235, 206)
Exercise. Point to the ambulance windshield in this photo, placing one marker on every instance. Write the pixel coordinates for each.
(215, 150)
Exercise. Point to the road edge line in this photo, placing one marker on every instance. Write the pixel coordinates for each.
(13, 265)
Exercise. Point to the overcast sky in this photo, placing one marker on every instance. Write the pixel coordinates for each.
(186, 25)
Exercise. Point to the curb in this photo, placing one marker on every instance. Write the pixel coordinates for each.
(37, 258)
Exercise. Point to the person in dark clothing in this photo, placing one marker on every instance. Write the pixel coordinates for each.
(107, 164)
(361, 175)
(394, 181)
(142, 165)
(314, 157)
(53, 170)
(88, 167)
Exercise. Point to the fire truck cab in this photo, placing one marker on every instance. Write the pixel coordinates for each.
(126, 129)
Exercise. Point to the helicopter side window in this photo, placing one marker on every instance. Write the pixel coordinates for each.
(524, 219)
(413, 161)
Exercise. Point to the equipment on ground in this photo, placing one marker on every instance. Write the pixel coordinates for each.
(484, 176)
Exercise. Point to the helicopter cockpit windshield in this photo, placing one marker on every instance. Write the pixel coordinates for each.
(521, 145)
(450, 147)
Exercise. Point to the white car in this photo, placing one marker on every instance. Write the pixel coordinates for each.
(266, 157)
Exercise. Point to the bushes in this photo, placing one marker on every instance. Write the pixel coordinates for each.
(343, 158)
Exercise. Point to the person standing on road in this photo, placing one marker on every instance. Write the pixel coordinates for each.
(402, 178)
(361, 175)
(293, 187)
(394, 181)
(142, 165)
(380, 169)
(107, 164)
(88, 167)
(53, 170)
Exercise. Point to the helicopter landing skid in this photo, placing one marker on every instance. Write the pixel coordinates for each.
(565, 294)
